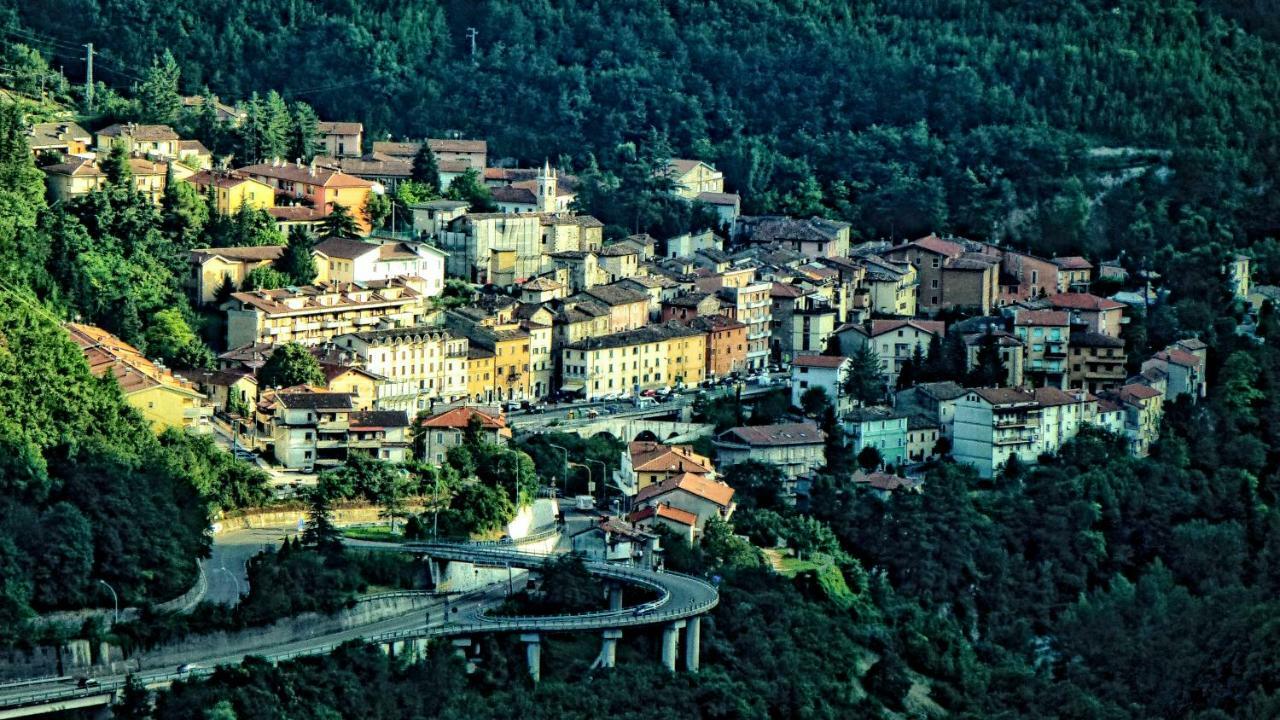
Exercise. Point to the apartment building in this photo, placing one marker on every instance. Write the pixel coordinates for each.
(1045, 336)
(995, 424)
(418, 365)
(1096, 361)
(726, 344)
(78, 176)
(795, 448)
(211, 267)
(891, 288)
(321, 188)
(650, 357)
(310, 430)
(159, 141)
(823, 372)
(882, 428)
(894, 341)
(357, 261)
(312, 314)
(750, 305)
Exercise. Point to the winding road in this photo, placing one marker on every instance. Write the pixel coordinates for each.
(679, 597)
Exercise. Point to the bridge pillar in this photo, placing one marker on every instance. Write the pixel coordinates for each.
(693, 643)
(615, 597)
(609, 649)
(460, 646)
(433, 567)
(533, 654)
(671, 644)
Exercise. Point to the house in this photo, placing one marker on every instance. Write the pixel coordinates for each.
(1144, 409)
(658, 288)
(995, 424)
(1183, 364)
(157, 141)
(894, 341)
(223, 112)
(509, 345)
(311, 314)
(824, 372)
(232, 391)
(890, 288)
(692, 177)
(618, 262)
(471, 153)
(1027, 277)
(386, 171)
(650, 357)
(1074, 274)
(1239, 278)
(291, 216)
(79, 176)
(341, 139)
(949, 275)
(580, 267)
(923, 432)
(232, 191)
(936, 401)
(681, 522)
(884, 484)
(348, 260)
(310, 429)
(728, 206)
(705, 498)
(431, 217)
(193, 154)
(796, 448)
(726, 344)
(882, 428)
(320, 188)
(628, 309)
(1045, 336)
(1098, 314)
(58, 138)
(440, 432)
(1096, 361)
(210, 268)
(357, 382)
(812, 326)
(684, 308)
(609, 539)
(164, 400)
(651, 463)
(418, 365)
(814, 238)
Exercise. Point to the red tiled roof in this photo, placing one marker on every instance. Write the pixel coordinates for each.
(779, 290)
(666, 512)
(1138, 392)
(935, 244)
(717, 492)
(1055, 318)
(1179, 357)
(1083, 301)
(933, 327)
(822, 361)
(460, 417)
(1005, 396)
(884, 481)
(776, 435)
(1073, 262)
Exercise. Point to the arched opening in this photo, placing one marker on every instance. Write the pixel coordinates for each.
(646, 436)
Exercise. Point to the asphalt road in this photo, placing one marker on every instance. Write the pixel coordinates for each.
(226, 570)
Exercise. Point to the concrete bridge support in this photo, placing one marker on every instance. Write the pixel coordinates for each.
(609, 648)
(671, 644)
(615, 597)
(533, 654)
(693, 644)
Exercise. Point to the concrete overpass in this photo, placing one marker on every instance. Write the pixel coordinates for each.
(627, 428)
(682, 600)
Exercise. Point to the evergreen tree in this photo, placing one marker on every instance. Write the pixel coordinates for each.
(989, 370)
(425, 169)
(183, 212)
(869, 458)
(116, 168)
(276, 128)
(297, 262)
(157, 95)
(865, 381)
(468, 188)
(130, 325)
(339, 223)
(225, 290)
(320, 532)
(304, 135)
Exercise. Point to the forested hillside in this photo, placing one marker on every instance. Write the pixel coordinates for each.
(903, 117)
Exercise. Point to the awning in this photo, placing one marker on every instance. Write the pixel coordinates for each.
(574, 386)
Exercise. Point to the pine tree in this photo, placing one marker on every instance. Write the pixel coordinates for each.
(320, 532)
(276, 127)
(303, 132)
(297, 261)
(131, 325)
(225, 290)
(340, 223)
(116, 168)
(425, 168)
(157, 95)
(865, 381)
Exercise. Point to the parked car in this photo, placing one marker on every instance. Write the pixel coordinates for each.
(649, 393)
(537, 409)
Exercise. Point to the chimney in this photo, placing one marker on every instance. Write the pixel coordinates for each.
(312, 168)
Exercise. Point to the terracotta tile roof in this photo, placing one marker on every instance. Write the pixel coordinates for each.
(295, 213)
(339, 128)
(821, 361)
(780, 290)
(457, 146)
(458, 418)
(1005, 396)
(719, 198)
(541, 284)
(682, 165)
(1191, 344)
(396, 149)
(294, 172)
(1138, 392)
(106, 353)
(716, 323)
(884, 481)
(1179, 357)
(257, 252)
(1072, 262)
(933, 327)
(613, 295)
(666, 512)
(936, 245)
(1051, 318)
(84, 167)
(1083, 301)
(649, 456)
(1049, 397)
(346, 248)
(717, 492)
(944, 390)
(145, 133)
(775, 435)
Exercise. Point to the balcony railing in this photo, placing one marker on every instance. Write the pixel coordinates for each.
(332, 426)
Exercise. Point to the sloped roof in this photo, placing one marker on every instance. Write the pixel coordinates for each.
(717, 492)
(459, 418)
(775, 435)
(666, 512)
(294, 172)
(312, 400)
(1072, 262)
(1005, 396)
(145, 133)
(1051, 318)
(820, 361)
(1083, 301)
(339, 128)
(346, 248)
(936, 245)
(376, 419)
(256, 252)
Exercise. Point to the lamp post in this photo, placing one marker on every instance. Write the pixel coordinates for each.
(588, 469)
(114, 598)
(564, 471)
(604, 471)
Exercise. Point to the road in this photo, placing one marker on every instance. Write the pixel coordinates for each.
(226, 569)
(680, 597)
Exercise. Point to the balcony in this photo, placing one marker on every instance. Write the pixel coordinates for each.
(364, 321)
(1015, 421)
(329, 426)
(202, 411)
(1022, 439)
(330, 444)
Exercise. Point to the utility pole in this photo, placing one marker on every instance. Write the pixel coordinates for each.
(472, 33)
(88, 77)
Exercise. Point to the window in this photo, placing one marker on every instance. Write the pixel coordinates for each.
(306, 454)
(933, 284)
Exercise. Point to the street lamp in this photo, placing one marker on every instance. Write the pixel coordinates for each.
(604, 471)
(114, 598)
(564, 471)
(588, 469)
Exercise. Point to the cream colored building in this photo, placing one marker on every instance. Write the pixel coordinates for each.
(752, 305)
(80, 176)
(341, 139)
(891, 287)
(694, 176)
(471, 240)
(311, 314)
(418, 365)
(795, 448)
(357, 261)
(158, 141)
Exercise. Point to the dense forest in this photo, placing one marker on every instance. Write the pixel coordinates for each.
(999, 120)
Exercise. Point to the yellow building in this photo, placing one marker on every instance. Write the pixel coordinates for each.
(323, 188)
(80, 176)
(361, 384)
(211, 266)
(633, 361)
(892, 287)
(509, 344)
(164, 400)
(155, 140)
(480, 374)
(232, 191)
